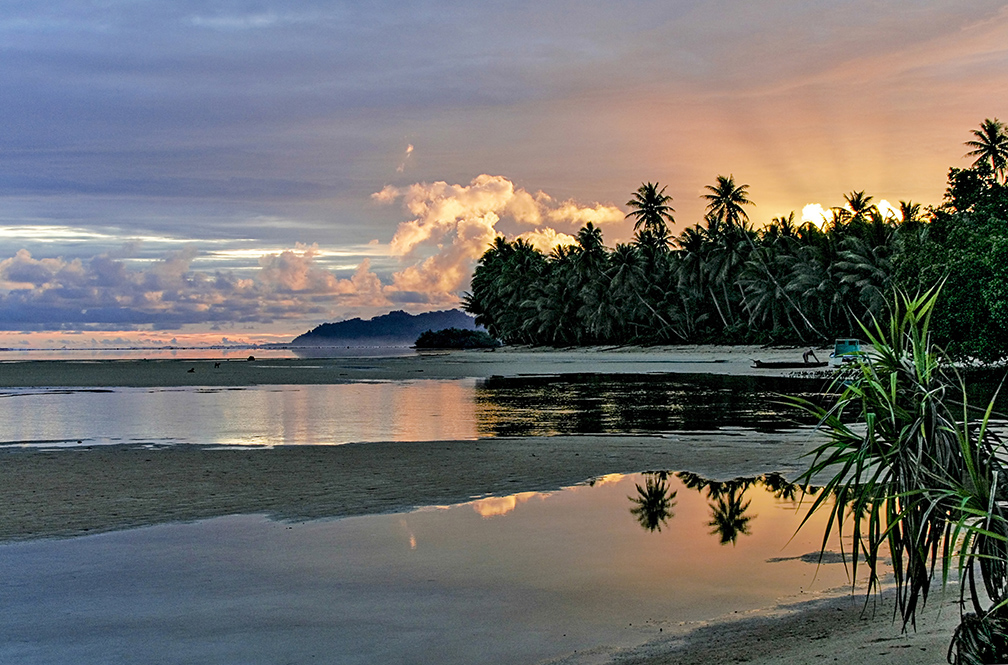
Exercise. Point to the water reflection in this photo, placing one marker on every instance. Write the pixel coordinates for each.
(250, 416)
(422, 410)
(637, 403)
(654, 501)
(730, 515)
(495, 506)
(547, 582)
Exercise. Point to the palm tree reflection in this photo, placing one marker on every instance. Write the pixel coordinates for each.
(728, 512)
(780, 487)
(654, 502)
(729, 505)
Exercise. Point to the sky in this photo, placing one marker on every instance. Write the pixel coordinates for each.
(231, 171)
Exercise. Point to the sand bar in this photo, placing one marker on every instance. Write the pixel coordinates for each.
(420, 365)
(75, 491)
(86, 490)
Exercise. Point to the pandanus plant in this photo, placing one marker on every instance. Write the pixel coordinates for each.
(913, 470)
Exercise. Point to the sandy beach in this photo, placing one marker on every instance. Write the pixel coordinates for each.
(422, 365)
(62, 493)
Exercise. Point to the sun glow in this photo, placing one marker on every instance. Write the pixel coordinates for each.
(815, 214)
(888, 210)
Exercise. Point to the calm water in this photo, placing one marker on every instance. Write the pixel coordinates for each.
(203, 353)
(637, 403)
(422, 410)
(515, 579)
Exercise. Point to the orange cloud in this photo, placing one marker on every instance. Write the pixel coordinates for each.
(546, 239)
(460, 221)
(495, 506)
(451, 226)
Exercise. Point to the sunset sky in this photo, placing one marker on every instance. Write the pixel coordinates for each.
(243, 171)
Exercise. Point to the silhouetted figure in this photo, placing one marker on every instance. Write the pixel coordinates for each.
(810, 352)
(216, 365)
(191, 370)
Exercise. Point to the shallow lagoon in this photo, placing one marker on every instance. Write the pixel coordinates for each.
(522, 578)
(418, 410)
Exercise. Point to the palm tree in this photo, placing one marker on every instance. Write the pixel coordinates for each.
(556, 300)
(725, 202)
(909, 212)
(591, 251)
(859, 205)
(764, 278)
(691, 271)
(651, 211)
(724, 261)
(813, 282)
(866, 267)
(990, 145)
(782, 227)
(627, 281)
(482, 301)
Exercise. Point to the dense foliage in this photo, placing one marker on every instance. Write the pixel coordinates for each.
(722, 280)
(917, 475)
(455, 338)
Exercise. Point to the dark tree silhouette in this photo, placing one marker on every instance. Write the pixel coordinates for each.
(990, 146)
(654, 502)
(651, 211)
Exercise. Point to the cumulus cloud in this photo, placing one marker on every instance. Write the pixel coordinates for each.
(104, 292)
(451, 226)
(814, 213)
(889, 210)
(460, 221)
(495, 506)
(546, 239)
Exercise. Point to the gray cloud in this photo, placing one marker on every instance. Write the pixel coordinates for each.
(451, 227)
(267, 123)
(51, 294)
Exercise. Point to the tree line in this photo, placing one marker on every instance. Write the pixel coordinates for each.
(724, 281)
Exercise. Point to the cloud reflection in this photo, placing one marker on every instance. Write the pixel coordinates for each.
(495, 506)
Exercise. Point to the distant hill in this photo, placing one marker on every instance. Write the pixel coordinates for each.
(394, 328)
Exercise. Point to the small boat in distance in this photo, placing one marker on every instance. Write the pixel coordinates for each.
(787, 364)
(805, 363)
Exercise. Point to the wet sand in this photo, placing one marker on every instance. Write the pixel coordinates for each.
(420, 365)
(77, 491)
(834, 630)
(86, 490)
(70, 492)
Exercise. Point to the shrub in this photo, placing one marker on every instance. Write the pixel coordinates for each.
(911, 470)
(455, 338)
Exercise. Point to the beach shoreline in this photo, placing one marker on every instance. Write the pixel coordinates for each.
(90, 489)
(79, 491)
(85, 490)
(444, 365)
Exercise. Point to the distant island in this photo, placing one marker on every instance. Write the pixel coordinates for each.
(392, 329)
